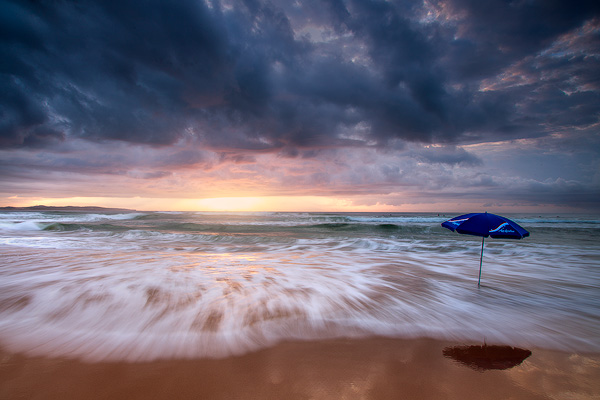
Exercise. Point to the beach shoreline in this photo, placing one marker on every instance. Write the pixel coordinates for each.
(370, 368)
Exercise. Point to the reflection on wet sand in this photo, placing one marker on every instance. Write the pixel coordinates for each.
(482, 358)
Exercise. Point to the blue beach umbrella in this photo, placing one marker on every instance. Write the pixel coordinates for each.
(484, 225)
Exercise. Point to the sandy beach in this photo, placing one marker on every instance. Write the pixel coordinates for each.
(374, 368)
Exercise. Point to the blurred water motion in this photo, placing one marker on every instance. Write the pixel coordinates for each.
(144, 286)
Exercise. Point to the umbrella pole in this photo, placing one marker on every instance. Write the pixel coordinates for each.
(480, 261)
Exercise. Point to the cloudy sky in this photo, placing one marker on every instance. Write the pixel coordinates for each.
(347, 105)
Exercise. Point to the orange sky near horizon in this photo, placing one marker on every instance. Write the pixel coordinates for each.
(264, 203)
(268, 204)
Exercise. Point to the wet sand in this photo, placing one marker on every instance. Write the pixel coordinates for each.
(376, 368)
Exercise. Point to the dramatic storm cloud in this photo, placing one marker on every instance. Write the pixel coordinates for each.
(378, 102)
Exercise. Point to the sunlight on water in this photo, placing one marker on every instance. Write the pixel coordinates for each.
(147, 286)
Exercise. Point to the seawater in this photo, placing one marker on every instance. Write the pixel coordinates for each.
(152, 285)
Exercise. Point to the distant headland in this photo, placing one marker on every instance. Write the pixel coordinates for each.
(67, 208)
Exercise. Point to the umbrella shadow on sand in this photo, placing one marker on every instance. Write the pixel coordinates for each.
(483, 358)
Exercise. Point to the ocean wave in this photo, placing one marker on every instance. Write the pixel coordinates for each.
(144, 305)
(69, 227)
(117, 217)
(162, 285)
(22, 226)
(54, 220)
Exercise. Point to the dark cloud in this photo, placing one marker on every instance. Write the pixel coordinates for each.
(519, 28)
(255, 75)
(148, 175)
(570, 195)
(142, 89)
(445, 155)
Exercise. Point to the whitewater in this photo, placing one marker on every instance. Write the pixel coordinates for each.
(142, 286)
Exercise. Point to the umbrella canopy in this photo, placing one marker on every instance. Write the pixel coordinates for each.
(484, 225)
